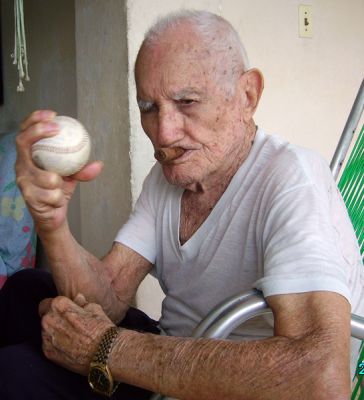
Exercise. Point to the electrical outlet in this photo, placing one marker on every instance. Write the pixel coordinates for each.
(305, 21)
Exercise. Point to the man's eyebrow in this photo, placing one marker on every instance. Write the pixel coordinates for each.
(144, 104)
(187, 92)
(177, 95)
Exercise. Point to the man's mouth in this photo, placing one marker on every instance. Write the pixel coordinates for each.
(166, 155)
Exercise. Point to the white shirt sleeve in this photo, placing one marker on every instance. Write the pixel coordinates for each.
(301, 244)
(138, 233)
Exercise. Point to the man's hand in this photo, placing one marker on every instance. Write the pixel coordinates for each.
(71, 331)
(46, 193)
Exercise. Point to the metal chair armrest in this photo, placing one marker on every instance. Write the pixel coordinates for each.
(231, 313)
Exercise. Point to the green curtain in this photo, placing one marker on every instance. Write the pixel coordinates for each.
(351, 186)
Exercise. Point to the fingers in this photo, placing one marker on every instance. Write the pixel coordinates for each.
(93, 308)
(38, 198)
(62, 304)
(44, 306)
(73, 314)
(70, 332)
(45, 193)
(37, 116)
(39, 125)
(47, 345)
(59, 314)
(79, 305)
(36, 132)
(35, 127)
(25, 165)
(43, 179)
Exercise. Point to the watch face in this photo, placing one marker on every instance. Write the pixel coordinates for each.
(99, 380)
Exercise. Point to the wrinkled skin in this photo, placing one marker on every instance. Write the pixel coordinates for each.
(185, 104)
(71, 331)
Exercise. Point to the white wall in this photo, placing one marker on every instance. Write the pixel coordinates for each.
(102, 105)
(310, 84)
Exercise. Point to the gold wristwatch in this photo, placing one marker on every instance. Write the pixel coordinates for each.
(99, 376)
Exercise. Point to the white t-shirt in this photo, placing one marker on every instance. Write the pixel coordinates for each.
(281, 226)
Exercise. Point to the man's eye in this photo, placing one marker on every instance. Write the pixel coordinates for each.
(186, 102)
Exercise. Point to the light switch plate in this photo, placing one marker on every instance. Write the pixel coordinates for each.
(305, 21)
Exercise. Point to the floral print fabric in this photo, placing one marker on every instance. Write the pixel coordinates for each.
(17, 234)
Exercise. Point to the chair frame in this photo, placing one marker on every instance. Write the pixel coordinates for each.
(230, 314)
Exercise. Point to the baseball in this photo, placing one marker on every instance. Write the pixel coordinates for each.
(67, 152)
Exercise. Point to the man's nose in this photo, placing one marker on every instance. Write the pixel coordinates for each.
(170, 126)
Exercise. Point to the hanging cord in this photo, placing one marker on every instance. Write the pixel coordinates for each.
(20, 47)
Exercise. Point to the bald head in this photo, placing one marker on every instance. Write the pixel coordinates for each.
(212, 36)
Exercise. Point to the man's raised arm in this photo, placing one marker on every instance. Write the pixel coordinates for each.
(111, 282)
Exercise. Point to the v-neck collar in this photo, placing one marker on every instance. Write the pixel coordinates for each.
(191, 247)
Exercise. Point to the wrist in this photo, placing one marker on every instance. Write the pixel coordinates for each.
(115, 360)
(100, 377)
(48, 230)
(57, 243)
(127, 356)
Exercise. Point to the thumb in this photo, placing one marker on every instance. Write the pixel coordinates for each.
(44, 306)
(80, 300)
(89, 172)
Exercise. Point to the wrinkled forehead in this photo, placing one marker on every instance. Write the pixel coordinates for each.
(173, 42)
(174, 62)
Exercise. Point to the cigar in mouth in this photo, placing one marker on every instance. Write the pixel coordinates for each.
(168, 154)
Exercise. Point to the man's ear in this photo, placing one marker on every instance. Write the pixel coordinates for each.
(252, 85)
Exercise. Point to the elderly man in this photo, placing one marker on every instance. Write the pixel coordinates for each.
(228, 208)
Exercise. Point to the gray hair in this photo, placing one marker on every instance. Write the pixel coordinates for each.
(216, 32)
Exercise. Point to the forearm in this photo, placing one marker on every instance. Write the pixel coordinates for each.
(75, 270)
(276, 368)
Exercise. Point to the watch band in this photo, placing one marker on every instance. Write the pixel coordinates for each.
(105, 346)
